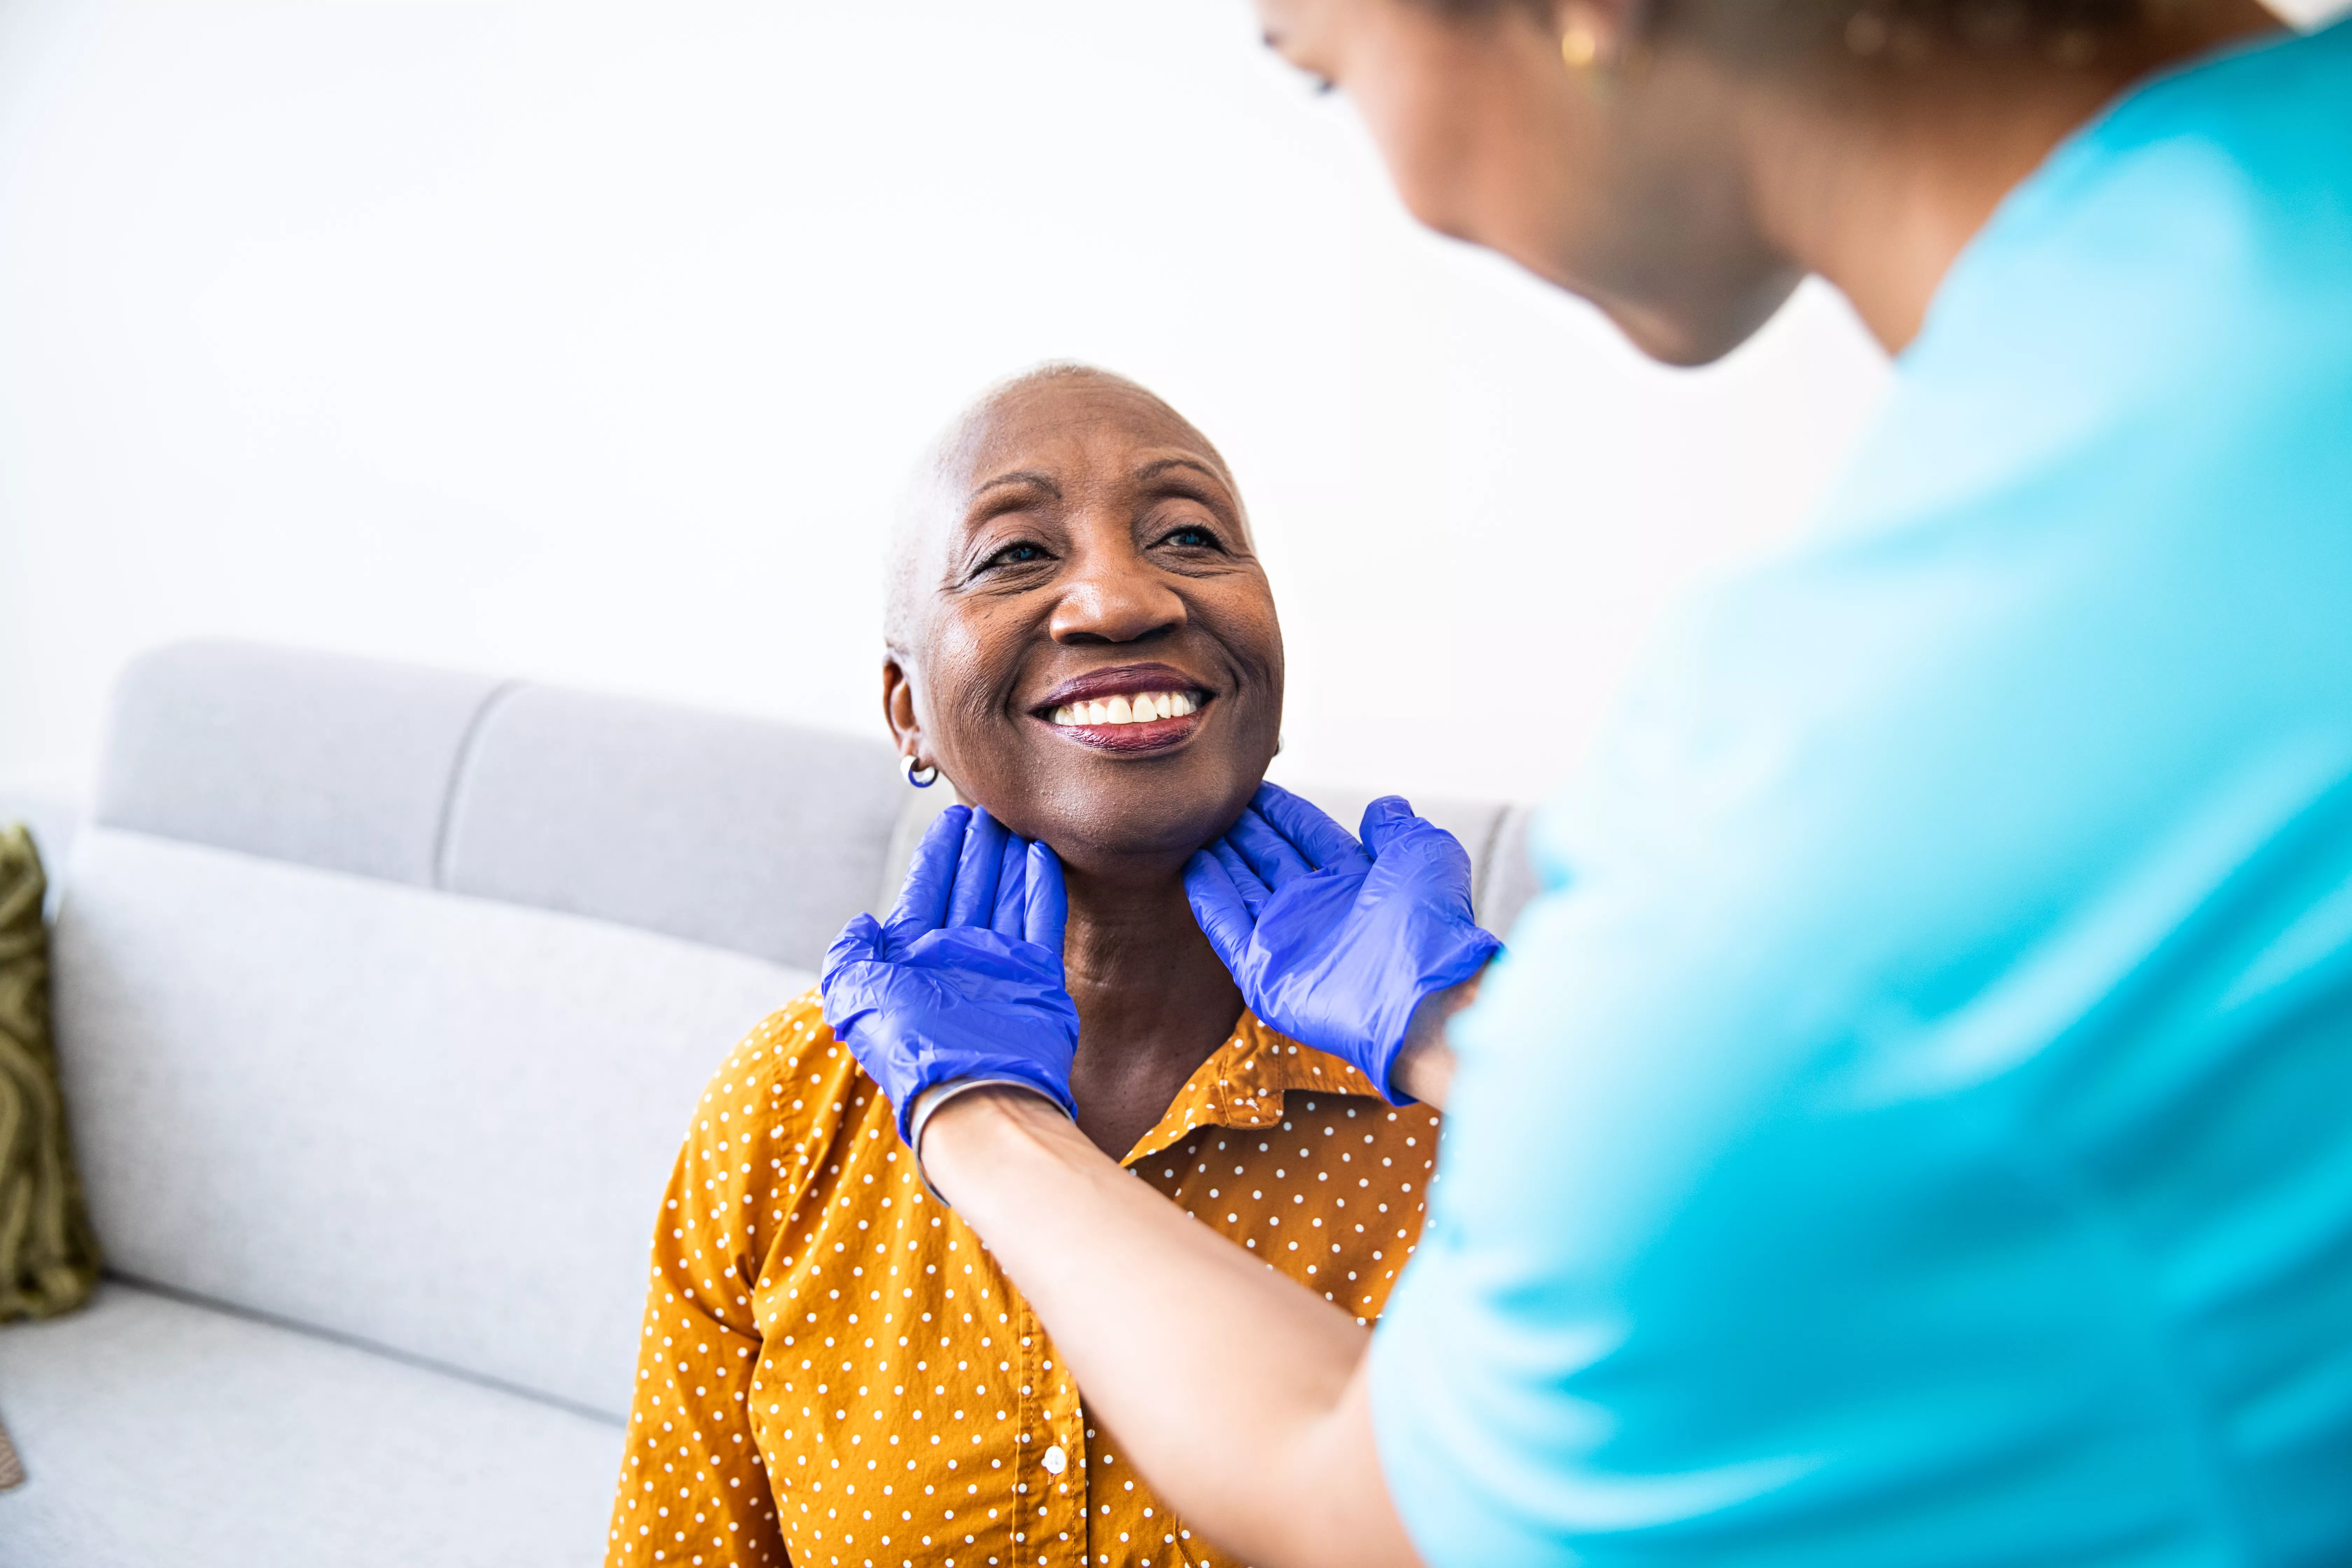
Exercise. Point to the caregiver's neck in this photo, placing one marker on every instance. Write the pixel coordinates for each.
(1881, 190)
(1154, 1000)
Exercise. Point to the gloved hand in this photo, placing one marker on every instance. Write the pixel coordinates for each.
(964, 979)
(1332, 941)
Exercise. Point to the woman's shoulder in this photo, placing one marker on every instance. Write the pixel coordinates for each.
(787, 1078)
(788, 1116)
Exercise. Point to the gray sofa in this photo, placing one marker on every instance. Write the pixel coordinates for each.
(382, 998)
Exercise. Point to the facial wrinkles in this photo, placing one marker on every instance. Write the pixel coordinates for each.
(1235, 647)
(1011, 643)
(980, 656)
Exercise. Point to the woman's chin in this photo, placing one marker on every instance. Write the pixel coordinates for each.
(1140, 836)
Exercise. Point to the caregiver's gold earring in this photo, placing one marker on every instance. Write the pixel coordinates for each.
(1579, 48)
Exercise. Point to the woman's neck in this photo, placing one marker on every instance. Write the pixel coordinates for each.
(1154, 1002)
(1881, 193)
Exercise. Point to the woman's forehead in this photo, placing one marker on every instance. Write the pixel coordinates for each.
(1069, 426)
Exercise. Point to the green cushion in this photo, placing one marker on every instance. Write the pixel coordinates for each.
(48, 1259)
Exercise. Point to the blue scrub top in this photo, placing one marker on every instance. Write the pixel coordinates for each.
(1915, 1125)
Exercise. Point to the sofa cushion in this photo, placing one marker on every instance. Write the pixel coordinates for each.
(339, 763)
(430, 1123)
(157, 1431)
(742, 833)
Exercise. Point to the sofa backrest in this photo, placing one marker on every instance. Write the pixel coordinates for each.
(384, 995)
(740, 833)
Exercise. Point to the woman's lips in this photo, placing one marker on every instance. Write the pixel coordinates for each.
(1130, 721)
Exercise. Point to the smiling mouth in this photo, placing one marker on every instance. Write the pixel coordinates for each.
(1127, 707)
(1147, 717)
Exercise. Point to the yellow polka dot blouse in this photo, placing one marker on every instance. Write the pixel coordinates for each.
(833, 1373)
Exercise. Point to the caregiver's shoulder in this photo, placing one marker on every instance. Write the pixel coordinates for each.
(2260, 93)
(2181, 259)
(2108, 498)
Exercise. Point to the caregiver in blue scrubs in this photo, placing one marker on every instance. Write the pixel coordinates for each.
(1914, 1124)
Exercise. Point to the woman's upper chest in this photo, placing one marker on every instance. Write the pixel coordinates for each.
(910, 1408)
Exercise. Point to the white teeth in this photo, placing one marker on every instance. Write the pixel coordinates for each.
(1141, 708)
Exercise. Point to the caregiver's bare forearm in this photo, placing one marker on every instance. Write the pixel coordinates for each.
(1239, 1392)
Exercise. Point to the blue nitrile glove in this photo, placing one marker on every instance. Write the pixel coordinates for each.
(1332, 941)
(964, 979)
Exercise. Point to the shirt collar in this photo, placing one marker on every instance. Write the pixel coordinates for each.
(1243, 1082)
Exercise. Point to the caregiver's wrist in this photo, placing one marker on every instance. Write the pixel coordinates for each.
(1423, 1067)
(974, 1128)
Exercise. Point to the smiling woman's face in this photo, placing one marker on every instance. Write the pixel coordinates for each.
(1087, 645)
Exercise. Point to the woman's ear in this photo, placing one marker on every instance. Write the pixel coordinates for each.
(898, 711)
(907, 730)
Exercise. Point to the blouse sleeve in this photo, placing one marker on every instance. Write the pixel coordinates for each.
(693, 1488)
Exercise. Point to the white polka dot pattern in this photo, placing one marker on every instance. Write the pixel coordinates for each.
(833, 1373)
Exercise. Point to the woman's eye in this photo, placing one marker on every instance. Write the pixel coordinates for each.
(1019, 555)
(1192, 539)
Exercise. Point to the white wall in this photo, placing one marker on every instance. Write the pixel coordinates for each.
(589, 340)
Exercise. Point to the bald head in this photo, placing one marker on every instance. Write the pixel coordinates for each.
(942, 487)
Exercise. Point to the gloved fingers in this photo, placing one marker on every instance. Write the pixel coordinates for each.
(1011, 887)
(931, 878)
(1253, 892)
(1385, 818)
(1045, 902)
(1224, 918)
(1422, 851)
(978, 861)
(1320, 839)
(860, 941)
(1268, 853)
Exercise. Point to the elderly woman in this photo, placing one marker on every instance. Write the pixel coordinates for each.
(833, 1371)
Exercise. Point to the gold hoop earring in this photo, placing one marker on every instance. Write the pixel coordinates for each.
(1579, 48)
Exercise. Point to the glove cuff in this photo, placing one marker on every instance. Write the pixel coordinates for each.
(1476, 950)
(928, 1103)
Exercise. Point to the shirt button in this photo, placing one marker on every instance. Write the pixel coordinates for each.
(1056, 1461)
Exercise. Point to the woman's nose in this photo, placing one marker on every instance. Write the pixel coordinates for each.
(1115, 599)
